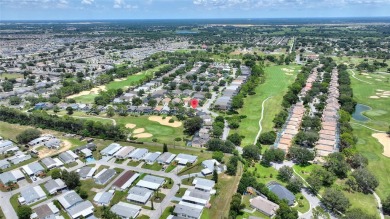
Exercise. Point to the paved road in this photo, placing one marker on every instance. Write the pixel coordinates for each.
(261, 119)
(378, 200)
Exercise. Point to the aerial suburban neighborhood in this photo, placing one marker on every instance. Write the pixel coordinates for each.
(280, 118)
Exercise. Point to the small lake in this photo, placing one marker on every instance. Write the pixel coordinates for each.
(358, 114)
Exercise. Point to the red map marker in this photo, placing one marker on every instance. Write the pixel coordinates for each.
(194, 103)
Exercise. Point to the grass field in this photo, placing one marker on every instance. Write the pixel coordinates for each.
(275, 85)
(89, 98)
(133, 79)
(10, 75)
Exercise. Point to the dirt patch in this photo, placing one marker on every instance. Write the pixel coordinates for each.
(137, 131)
(165, 121)
(143, 135)
(130, 125)
(384, 139)
(45, 152)
(95, 90)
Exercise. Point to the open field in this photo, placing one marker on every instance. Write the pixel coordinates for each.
(10, 75)
(275, 85)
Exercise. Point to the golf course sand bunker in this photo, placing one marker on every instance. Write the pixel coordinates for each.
(165, 121)
(374, 97)
(119, 79)
(137, 131)
(95, 90)
(287, 70)
(143, 135)
(130, 125)
(384, 139)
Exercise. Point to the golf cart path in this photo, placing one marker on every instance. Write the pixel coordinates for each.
(261, 119)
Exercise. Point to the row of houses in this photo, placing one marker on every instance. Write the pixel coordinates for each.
(328, 135)
(224, 101)
(292, 125)
(48, 141)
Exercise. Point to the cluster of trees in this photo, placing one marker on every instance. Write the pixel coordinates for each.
(235, 138)
(192, 125)
(251, 152)
(28, 135)
(267, 138)
(365, 66)
(216, 144)
(286, 174)
(105, 97)
(272, 155)
(41, 119)
(218, 126)
(231, 167)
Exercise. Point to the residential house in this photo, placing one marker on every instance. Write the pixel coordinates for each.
(53, 143)
(151, 182)
(139, 195)
(46, 211)
(188, 210)
(110, 149)
(138, 154)
(125, 180)
(54, 185)
(75, 205)
(4, 164)
(196, 197)
(126, 210)
(183, 159)
(103, 198)
(68, 157)
(38, 141)
(49, 162)
(264, 206)
(31, 195)
(33, 169)
(86, 152)
(202, 184)
(166, 158)
(281, 192)
(86, 172)
(211, 165)
(104, 176)
(19, 157)
(151, 157)
(124, 152)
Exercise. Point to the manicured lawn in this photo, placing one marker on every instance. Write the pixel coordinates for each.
(170, 168)
(156, 166)
(264, 174)
(118, 196)
(196, 168)
(69, 165)
(89, 98)
(305, 171)
(362, 201)
(143, 217)
(14, 201)
(181, 192)
(158, 199)
(188, 181)
(119, 161)
(275, 85)
(166, 212)
(101, 167)
(118, 170)
(163, 134)
(303, 204)
(133, 79)
(2, 216)
(10, 75)
(133, 163)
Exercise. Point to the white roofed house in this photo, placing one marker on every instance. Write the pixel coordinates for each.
(124, 152)
(46, 211)
(138, 154)
(139, 195)
(166, 158)
(151, 182)
(126, 210)
(110, 149)
(19, 157)
(33, 169)
(103, 198)
(4, 164)
(31, 195)
(86, 172)
(86, 152)
(49, 162)
(210, 165)
(264, 206)
(75, 205)
(196, 196)
(151, 157)
(54, 185)
(38, 141)
(188, 210)
(202, 184)
(183, 159)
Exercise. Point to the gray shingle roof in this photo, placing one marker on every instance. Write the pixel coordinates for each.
(281, 192)
(126, 210)
(104, 177)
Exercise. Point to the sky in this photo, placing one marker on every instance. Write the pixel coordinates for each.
(188, 9)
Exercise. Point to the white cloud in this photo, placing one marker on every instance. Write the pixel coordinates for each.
(123, 4)
(87, 2)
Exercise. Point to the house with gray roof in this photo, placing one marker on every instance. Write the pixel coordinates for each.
(82, 209)
(46, 211)
(126, 210)
(7, 177)
(19, 157)
(68, 157)
(188, 210)
(49, 162)
(6, 143)
(196, 196)
(264, 206)
(4, 164)
(138, 154)
(33, 169)
(151, 157)
(54, 185)
(110, 149)
(104, 176)
(86, 172)
(151, 182)
(183, 159)
(103, 198)
(124, 152)
(53, 143)
(210, 165)
(202, 184)
(281, 192)
(166, 158)
(38, 141)
(139, 195)
(30, 195)
(69, 199)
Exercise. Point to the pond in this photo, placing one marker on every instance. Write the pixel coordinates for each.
(358, 114)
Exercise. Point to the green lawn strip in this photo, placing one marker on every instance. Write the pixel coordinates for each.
(265, 174)
(69, 165)
(118, 196)
(159, 198)
(101, 167)
(133, 163)
(118, 170)
(181, 192)
(10, 75)
(119, 161)
(275, 85)
(245, 201)
(305, 171)
(166, 212)
(89, 98)
(155, 166)
(143, 217)
(378, 164)
(170, 168)
(302, 203)
(359, 200)
(64, 214)
(14, 201)
(187, 181)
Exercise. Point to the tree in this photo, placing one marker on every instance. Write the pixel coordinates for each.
(28, 135)
(295, 185)
(165, 148)
(251, 152)
(216, 144)
(108, 214)
(217, 131)
(365, 180)
(335, 200)
(337, 164)
(272, 155)
(83, 194)
(301, 155)
(235, 138)
(7, 86)
(235, 205)
(357, 213)
(136, 101)
(231, 167)
(56, 109)
(71, 179)
(24, 212)
(306, 138)
(358, 161)
(15, 100)
(237, 102)
(69, 110)
(218, 155)
(285, 212)
(56, 173)
(315, 184)
(192, 125)
(386, 205)
(215, 175)
(267, 138)
(110, 111)
(285, 173)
